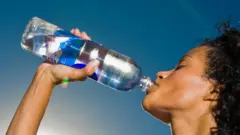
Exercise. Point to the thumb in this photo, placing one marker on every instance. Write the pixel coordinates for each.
(92, 66)
(87, 71)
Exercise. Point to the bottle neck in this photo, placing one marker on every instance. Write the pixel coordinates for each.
(145, 83)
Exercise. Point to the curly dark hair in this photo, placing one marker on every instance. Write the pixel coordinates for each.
(224, 66)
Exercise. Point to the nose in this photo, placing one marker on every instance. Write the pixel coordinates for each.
(163, 74)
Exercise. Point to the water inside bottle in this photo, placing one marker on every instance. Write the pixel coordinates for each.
(116, 70)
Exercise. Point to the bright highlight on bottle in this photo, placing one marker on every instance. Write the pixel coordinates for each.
(60, 46)
(64, 83)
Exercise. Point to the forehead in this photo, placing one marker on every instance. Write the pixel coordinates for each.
(198, 58)
(198, 53)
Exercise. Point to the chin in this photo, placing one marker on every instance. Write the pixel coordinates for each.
(146, 104)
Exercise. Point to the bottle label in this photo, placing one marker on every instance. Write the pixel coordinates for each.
(69, 51)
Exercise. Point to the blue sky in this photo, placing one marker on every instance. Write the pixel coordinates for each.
(155, 33)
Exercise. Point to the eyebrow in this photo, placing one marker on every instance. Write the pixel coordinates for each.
(184, 57)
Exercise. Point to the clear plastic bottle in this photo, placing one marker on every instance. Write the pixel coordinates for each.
(59, 46)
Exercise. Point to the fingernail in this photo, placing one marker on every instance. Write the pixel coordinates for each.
(93, 65)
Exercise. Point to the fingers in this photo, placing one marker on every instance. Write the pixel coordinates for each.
(85, 36)
(80, 34)
(82, 74)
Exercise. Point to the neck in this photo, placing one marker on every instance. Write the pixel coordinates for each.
(188, 123)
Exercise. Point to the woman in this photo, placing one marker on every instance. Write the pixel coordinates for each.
(201, 96)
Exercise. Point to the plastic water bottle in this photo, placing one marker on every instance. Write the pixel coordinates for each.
(60, 46)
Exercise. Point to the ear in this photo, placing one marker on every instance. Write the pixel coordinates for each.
(213, 90)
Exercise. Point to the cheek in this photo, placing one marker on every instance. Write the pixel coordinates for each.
(191, 90)
(178, 91)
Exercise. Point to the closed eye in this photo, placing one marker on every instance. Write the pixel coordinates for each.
(179, 67)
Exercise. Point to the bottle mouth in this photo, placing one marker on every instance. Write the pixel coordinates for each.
(145, 83)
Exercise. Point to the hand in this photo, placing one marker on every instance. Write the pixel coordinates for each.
(80, 34)
(57, 72)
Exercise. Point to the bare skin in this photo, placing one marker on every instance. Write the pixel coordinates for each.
(184, 93)
(31, 110)
(179, 97)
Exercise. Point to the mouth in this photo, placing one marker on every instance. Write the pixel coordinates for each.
(150, 89)
(155, 83)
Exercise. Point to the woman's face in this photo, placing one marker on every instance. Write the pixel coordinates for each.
(182, 88)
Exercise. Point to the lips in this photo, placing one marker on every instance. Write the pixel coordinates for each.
(155, 83)
(150, 89)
